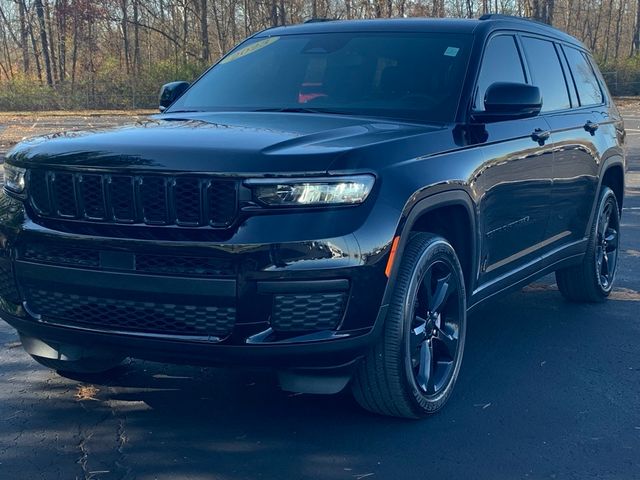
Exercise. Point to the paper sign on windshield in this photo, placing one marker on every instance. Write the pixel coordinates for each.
(249, 49)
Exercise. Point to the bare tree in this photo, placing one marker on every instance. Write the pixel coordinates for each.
(44, 41)
(24, 35)
(78, 46)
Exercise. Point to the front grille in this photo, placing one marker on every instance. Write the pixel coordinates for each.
(57, 255)
(187, 201)
(183, 265)
(131, 316)
(307, 312)
(158, 264)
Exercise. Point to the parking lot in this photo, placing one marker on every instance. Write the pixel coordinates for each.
(547, 390)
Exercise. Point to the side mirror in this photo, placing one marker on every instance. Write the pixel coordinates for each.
(170, 92)
(509, 101)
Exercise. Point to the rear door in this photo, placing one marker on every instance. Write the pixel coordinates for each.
(576, 136)
(513, 187)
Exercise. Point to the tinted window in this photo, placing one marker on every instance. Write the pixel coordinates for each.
(586, 83)
(417, 76)
(569, 79)
(501, 63)
(546, 73)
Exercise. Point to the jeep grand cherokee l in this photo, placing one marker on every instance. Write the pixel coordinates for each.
(329, 200)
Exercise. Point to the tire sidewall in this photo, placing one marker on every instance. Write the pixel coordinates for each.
(438, 249)
(607, 196)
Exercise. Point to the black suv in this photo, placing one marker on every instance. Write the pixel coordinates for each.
(329, 201)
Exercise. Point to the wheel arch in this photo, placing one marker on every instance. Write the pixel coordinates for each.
(612, 176)
(450, 214)
(611, 172)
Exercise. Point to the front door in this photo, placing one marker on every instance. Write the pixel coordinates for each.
(512, 189)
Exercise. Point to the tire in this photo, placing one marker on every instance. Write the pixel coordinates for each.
(426, 322)
(592, 280)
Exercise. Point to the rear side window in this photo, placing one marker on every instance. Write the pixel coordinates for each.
(546, 73)
(586, 83)
(501, 63)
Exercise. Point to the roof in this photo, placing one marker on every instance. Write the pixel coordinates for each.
(482, 26)
(378, 25)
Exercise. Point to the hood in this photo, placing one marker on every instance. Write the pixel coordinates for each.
(228, 143)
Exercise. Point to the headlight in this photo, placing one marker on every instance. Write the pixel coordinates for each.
(14, 178)
(312, 192)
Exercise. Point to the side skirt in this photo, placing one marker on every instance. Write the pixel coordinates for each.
(561, 257)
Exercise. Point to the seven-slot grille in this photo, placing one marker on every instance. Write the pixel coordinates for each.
(149, 199)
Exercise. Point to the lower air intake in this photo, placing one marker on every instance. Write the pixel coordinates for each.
(130, 315)
(307, 312)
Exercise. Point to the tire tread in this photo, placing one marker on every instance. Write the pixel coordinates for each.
(378, 384)
(578, 283)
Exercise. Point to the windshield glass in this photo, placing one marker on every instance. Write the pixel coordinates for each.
(415, 76)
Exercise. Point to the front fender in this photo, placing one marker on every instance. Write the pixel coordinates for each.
(427, 202)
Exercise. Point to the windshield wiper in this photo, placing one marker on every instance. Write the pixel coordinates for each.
(299, 110)
(184, 111)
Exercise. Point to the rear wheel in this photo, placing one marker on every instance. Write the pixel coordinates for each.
(411, 371)
(592, 280)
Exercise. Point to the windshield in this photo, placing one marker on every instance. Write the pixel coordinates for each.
(415, 76)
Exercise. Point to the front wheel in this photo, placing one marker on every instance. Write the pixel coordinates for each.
(412, 369)
(592, 280)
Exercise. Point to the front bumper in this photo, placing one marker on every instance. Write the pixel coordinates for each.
(286, 305)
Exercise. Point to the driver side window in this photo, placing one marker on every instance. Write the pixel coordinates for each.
(501, 63)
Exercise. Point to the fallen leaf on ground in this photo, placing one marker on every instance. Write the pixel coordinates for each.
(86, 392)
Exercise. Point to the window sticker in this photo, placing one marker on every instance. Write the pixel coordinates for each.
(249, 49)
(451, 51)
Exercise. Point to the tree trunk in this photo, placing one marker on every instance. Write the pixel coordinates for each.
(438, 8)
(618, 38)
(74, 54)
(34, 45)
(274, 13)
(52, 43)
(124, 6)
(136, 37)
(607, 33)
(43, 40)
(469, 8)
(61, 10)
(636, 32)
(378, 9)
(204, 31)
(185, 32)
(24, 35)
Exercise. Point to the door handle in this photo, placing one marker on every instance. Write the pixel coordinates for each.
(540, 136)
(591, 127)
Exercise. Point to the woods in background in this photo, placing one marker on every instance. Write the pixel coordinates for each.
(116, 53)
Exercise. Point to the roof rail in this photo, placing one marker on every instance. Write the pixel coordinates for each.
(318, 20)
(499, 16)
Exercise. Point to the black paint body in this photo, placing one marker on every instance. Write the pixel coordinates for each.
(527, 210)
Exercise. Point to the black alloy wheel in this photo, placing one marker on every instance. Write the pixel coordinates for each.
(607, 245)
(412, 369)
(435, 331)
(592, 279)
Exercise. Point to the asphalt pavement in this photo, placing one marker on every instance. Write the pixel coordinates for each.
(547, 390)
